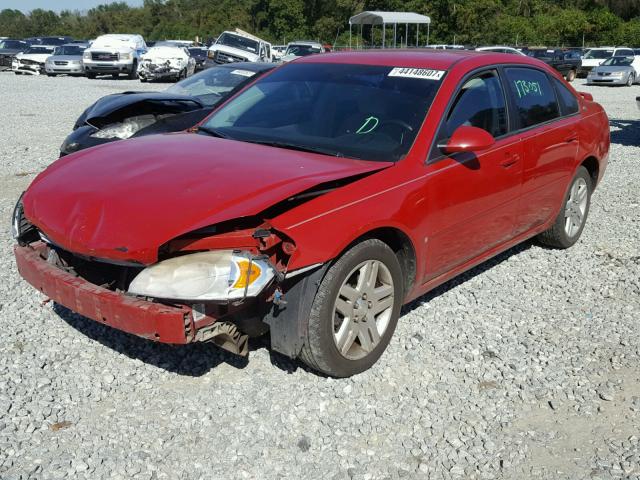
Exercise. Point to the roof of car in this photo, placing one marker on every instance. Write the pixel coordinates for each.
(441, 59)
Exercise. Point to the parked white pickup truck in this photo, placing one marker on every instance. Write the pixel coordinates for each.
(114, 54)
(238, 46)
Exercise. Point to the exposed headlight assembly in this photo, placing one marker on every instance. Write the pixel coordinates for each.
(219, 275)
(16, 219)
(125, 129)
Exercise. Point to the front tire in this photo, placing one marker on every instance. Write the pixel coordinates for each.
(631, 80)
(133, 74)
(572, 218)
(91, 76)
(355, 311)
(571, 76)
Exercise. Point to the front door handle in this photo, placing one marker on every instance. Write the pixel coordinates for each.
(571, 138)
(510, 159)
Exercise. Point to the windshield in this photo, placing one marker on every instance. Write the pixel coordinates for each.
(618, 62)
(12, 44)
(302, 50)
(358, 111)
(39, 50)
(237, 41)
(70, 50)
(212, 85)
(598, 54)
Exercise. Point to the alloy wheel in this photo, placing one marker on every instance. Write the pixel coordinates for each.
(363, 309)
(576, 207)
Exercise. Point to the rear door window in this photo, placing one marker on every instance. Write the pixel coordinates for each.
(568, 102)
(534, 96)
(624, 52)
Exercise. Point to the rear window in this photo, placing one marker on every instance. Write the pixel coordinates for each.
(534, 96)
(568, 102)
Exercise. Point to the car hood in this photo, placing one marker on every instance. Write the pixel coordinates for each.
(9, 51)
(612, 68)
(123, 200)
(36, 57)
(108, 105)
(65, 58)
(592, 62)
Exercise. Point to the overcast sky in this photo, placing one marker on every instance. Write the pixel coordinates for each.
(57, 5)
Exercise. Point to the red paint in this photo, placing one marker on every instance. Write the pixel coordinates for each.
(457, 213)
(154, 321)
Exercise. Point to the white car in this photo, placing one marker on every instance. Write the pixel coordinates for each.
(114, 54)
(166, 61)
(500, 49)
(595, 56)
(238, 46)
(32, 60)
(301, 48)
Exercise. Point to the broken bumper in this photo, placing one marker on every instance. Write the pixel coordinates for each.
(152, 72)
(153, 321)
(29, 69)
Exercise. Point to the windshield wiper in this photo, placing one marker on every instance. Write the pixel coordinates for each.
(293, 146)
(212, 131)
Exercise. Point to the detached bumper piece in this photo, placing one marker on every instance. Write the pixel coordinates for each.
(153, 321)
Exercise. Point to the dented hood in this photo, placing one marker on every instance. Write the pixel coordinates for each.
(123, 200)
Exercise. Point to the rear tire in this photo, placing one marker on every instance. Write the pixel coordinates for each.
(571, 76)
(115, 76)
(51, 74)
(355, 311)
(570, 222)
(91, 76)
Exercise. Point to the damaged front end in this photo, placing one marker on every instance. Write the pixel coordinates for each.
(157, 70)
(222, 285)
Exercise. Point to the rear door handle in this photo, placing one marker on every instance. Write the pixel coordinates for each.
(510, 159)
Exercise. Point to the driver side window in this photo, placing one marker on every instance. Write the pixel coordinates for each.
(479, 103)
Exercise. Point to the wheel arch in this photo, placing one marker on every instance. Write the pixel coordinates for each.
(401, 245)
(593, 167)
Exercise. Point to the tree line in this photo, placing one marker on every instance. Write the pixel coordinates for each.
(521, 22)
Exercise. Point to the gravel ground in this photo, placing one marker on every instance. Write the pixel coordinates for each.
(525, 367)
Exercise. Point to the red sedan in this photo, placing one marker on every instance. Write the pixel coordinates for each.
(316, 202)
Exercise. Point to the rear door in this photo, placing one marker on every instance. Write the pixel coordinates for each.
(472, 198)
(550, 141)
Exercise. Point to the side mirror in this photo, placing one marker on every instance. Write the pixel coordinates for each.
(468, 139)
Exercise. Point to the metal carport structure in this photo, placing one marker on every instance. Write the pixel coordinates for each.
(390, 18)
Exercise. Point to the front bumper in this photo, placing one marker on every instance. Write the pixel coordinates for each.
(157, 72)
(153, 321)
(29, 69)
(70, 68)
(107, 67)
(592, 80)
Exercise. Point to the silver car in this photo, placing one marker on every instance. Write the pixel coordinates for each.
(615, 71)
(66, 59)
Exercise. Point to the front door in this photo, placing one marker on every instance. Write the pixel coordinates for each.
(472, 198)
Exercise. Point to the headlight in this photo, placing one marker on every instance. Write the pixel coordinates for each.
(216, 276)
(86, 55)
(16, 219)
(125, 56)
(125, 129)
(618, 74)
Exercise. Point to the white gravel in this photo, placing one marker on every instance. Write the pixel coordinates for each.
(526, 367)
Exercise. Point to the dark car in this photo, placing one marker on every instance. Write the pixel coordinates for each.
(49, 40)
(135, 114)
(9, 48)
(567, 62)
(200, 56)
